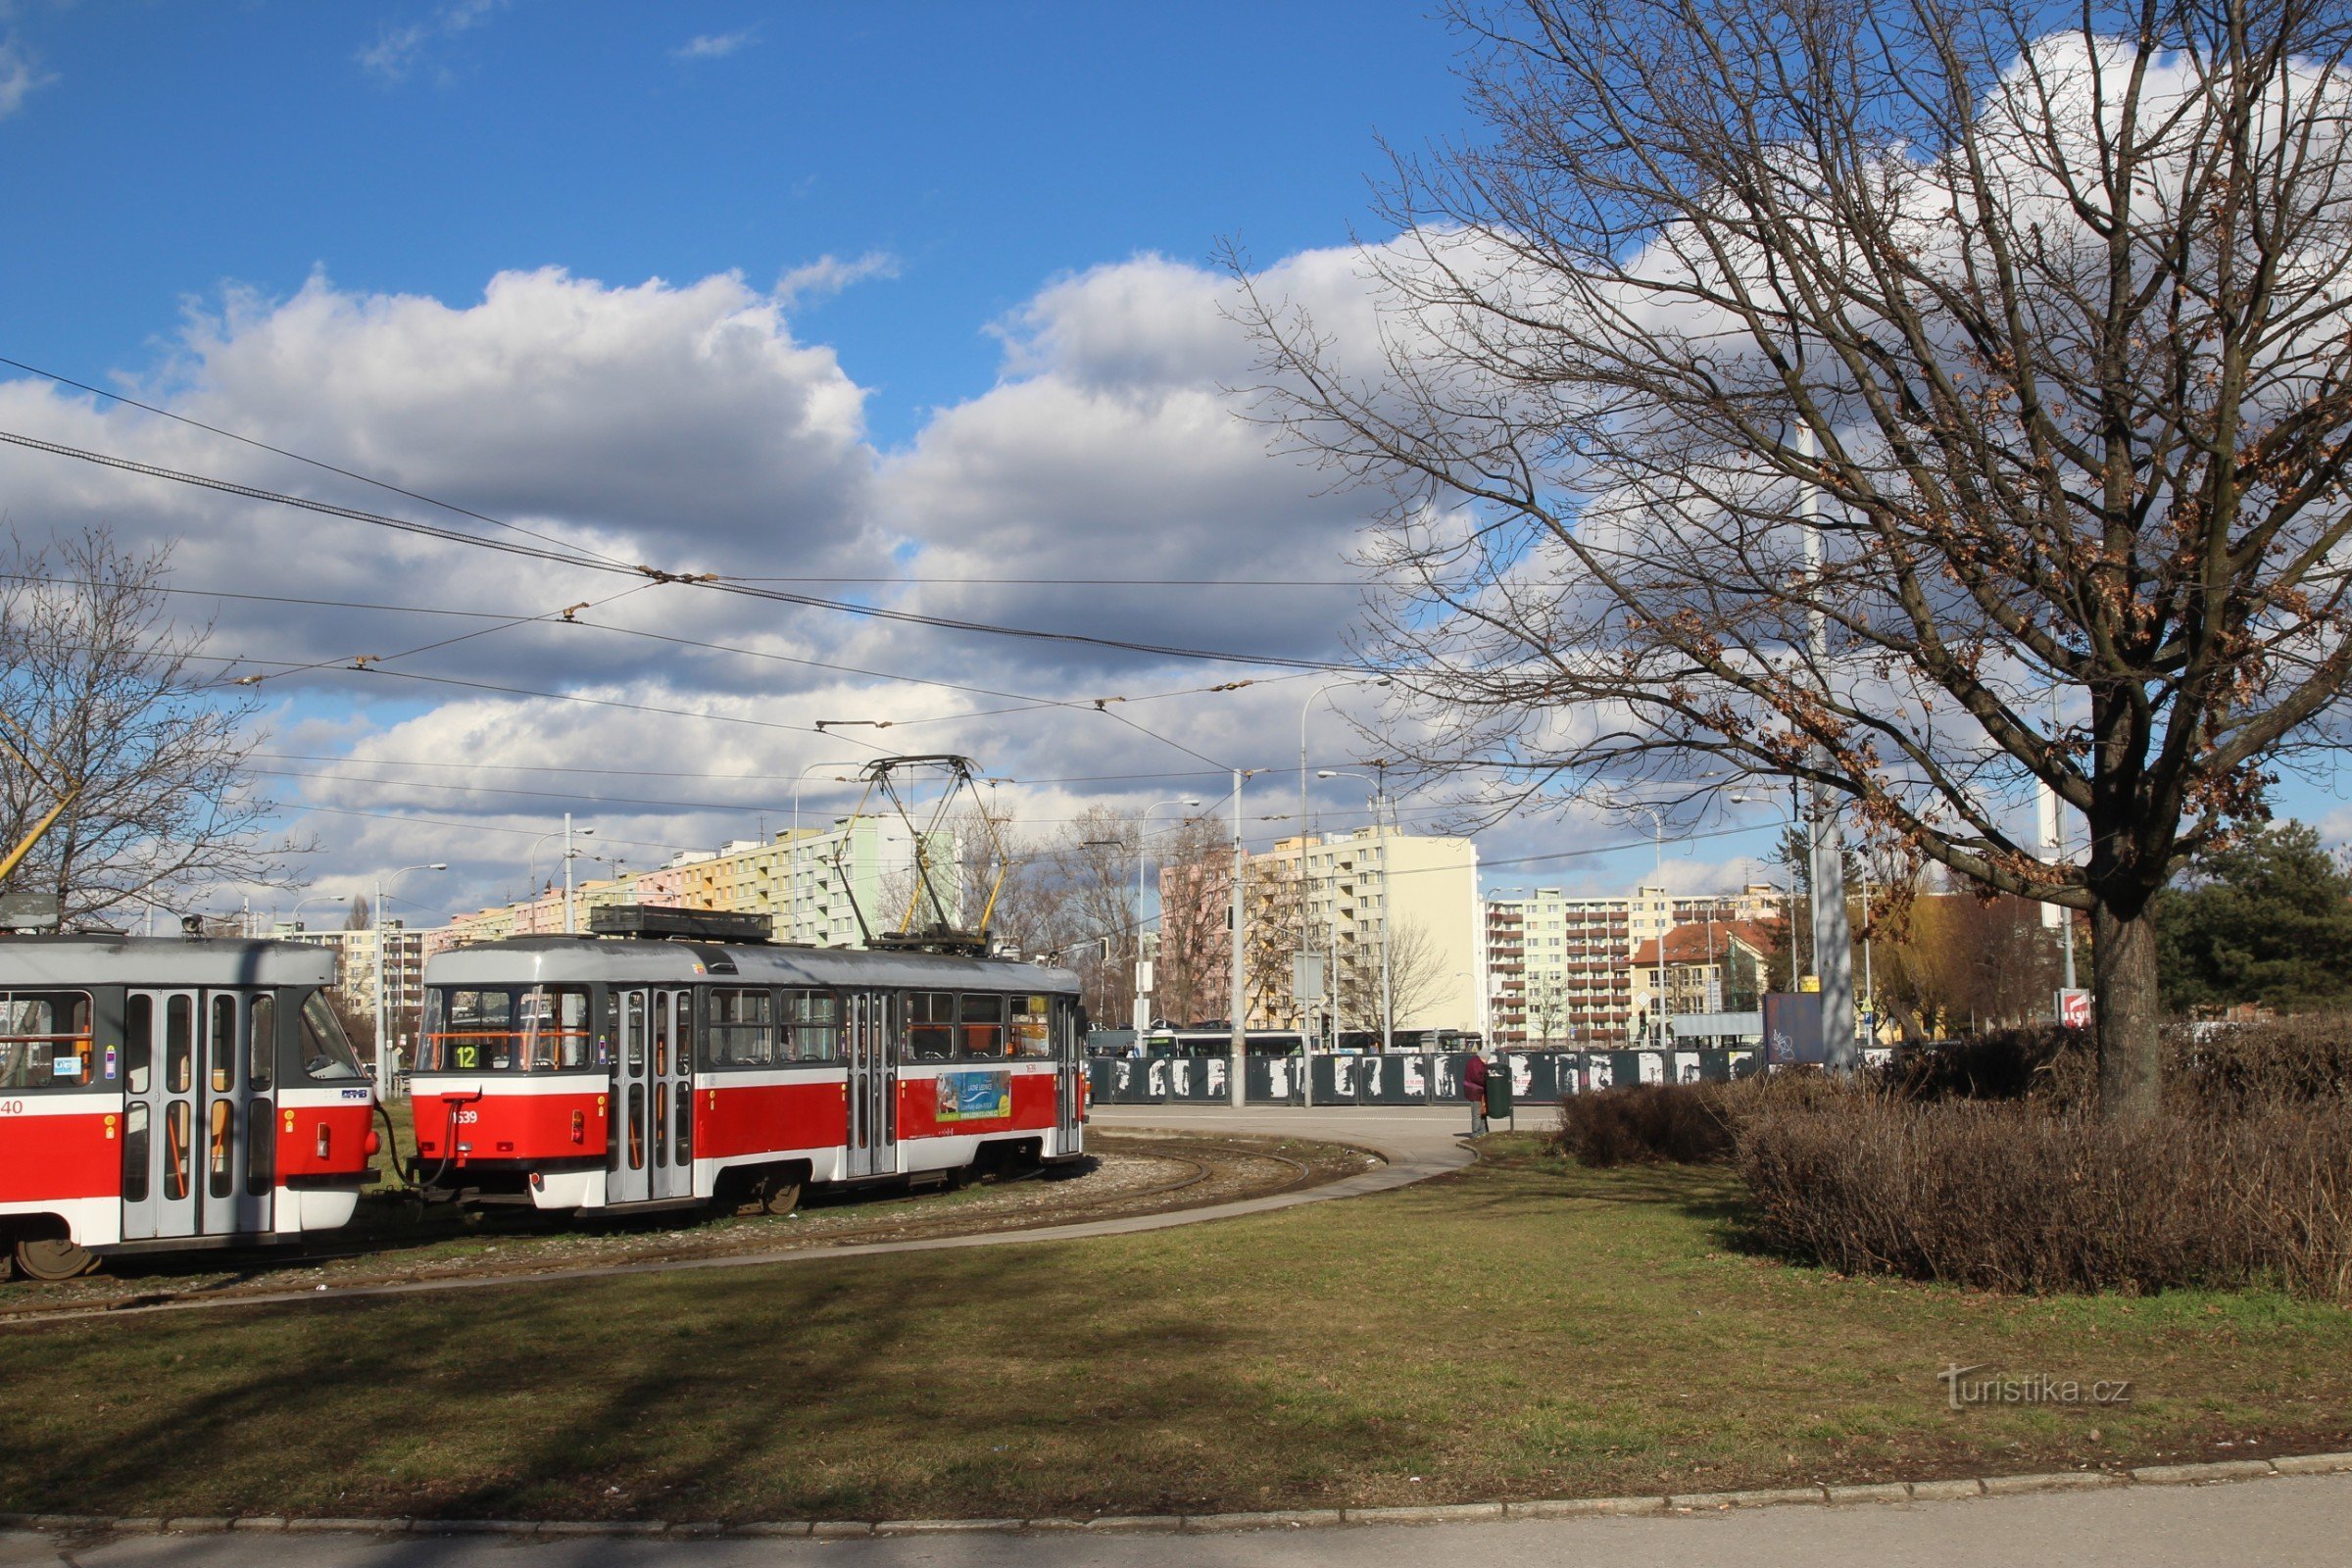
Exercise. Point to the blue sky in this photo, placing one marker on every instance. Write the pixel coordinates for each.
(984, 148)
(829, 288)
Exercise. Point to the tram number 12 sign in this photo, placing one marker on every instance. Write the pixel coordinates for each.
(2074, 1009)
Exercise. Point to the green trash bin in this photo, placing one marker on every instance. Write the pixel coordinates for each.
(1498, 1090)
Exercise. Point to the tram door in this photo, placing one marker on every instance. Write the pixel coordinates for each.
(1069, 1065)
(653, 1097)
(162, 1114)
(672, 1117)
(870, 1050)
(233, 1120)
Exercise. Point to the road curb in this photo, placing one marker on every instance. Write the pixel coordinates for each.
(1881, 1493)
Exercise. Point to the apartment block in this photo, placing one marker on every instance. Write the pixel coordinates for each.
(1343, 898)
(355, 964)
(1557, 969)
(814, 883)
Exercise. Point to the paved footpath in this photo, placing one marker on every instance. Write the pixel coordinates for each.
(2292, 1520)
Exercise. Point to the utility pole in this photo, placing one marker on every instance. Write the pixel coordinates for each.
(567, 873)
(1833, 941)
(1240, 968)
(1380, 837)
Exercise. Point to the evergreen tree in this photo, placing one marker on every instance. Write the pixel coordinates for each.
(2267, 919)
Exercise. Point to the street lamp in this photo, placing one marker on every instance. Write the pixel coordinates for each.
(530, 868)
(1380, 838)
(387, 1055)
(1744, 797)
(1306, 1048)
(1141, 1013)
(295, 919)
(1658, 839)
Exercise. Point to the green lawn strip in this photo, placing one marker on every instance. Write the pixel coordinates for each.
(1520, 1329)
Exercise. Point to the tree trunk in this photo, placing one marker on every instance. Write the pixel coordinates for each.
(2129, 1018)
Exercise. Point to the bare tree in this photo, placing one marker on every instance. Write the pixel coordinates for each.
(105, 703)
(1095, 861)
(1417, 978)
(1193, 967)
(359, 916)
(1830, 391)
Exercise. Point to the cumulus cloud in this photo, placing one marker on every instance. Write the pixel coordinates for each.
(685, 426)
(400, 51)
(19, 76)
(713, 45)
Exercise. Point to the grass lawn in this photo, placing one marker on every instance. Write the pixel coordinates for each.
(1522, 1329)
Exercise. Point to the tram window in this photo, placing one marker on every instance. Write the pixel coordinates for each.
(221, 1052)
(930, 1025)
(636, 1030)
(554, 1026)
(1033, 1026)
(660, 1037)
(264, 1065)
(326, 1056)
(135, 1151)
(523, 1029)
(138, 1043)
(742, 1031)
(219, 1140)
(983, 1025)
(45, 1040)
(179, 1051)
(813, 1020)
(178, 1123)
(260, 1144)
(636, 1137)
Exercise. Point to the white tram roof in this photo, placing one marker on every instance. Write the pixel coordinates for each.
(613, 961)
(36, 963)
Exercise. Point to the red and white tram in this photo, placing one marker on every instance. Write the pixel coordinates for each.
(636, 1070)
(158, 1095)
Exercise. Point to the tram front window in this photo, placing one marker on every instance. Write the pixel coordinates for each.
(327, 1054)
(507, 1029)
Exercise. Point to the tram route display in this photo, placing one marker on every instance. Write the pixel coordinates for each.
(166, 1095)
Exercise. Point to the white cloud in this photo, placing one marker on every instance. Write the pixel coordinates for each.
(828, 275)
(684, 425)
(19, 76)
(713, 45)
(398, 51)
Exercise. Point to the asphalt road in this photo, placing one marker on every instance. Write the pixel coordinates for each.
(2284, 1520)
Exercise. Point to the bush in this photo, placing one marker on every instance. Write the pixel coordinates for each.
(2015, 1197)
(1647, 1124)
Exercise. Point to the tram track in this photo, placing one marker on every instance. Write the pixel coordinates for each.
(1205, 1177)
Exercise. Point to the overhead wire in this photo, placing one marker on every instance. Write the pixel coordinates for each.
(712, 581)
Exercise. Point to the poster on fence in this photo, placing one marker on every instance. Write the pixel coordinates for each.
(1793, 1029)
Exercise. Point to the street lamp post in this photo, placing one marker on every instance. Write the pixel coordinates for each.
(387, 1055)
(1380, 792)
(1306, 1048)
(1743, 797)
(295, 918)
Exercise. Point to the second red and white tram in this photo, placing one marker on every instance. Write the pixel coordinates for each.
(635, 1073)
(159, 1095)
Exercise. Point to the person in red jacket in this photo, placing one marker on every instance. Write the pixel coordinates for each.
(1474, 1088)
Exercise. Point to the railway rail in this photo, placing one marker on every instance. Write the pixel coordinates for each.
(1197, 1172)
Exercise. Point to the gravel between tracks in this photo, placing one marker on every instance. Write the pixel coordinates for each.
(1126, 1174)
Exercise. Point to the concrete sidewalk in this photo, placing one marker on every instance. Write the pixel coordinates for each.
(2291, 1520)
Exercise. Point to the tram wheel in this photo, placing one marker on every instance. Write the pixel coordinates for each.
(45, 1258)
(780, 1194)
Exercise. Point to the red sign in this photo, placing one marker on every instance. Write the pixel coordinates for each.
(2074, 1009)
